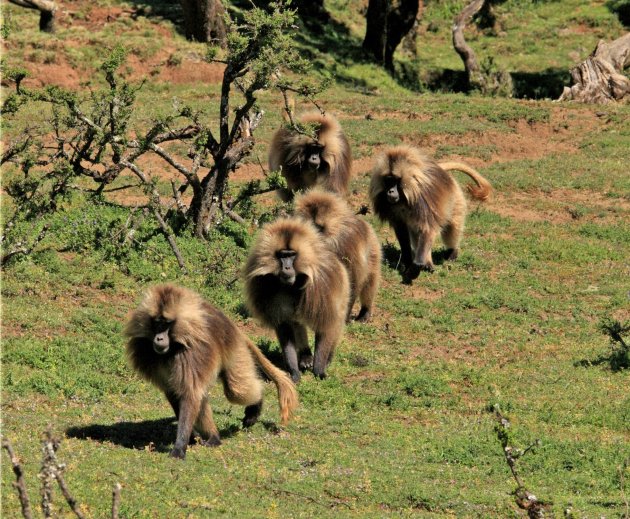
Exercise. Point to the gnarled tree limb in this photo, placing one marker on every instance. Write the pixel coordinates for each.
(475, 77)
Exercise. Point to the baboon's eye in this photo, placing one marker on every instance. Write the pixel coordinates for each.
(161, 324)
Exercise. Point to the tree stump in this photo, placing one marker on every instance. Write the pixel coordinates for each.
(599, 78)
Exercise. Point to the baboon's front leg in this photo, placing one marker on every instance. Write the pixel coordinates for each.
(286, 337)
(173, 399)
(205, 425)
(325, 343)
(305, 357)
(402, 234)
(422, 258)
(188, 412)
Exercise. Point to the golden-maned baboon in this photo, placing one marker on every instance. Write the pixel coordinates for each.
(294, 281)
(420, 200)
(351, 238)
(182, 344)
(324, 160)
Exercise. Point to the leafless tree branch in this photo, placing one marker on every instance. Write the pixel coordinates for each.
(19, 483)
(25, 249)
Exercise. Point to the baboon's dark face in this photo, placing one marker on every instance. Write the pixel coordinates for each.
(313, 157)
(392, 189)
(161, 329)
(286, 266)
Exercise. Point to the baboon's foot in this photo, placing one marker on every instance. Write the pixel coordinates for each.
(452, 254)
(178, 453)
(212, 441)
(364, 315)
(252, 413)
(306, 361)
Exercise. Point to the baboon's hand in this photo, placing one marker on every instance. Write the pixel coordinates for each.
(413, 271)
(178, 452)
(213, 441)
(319, 373)
(306, 361)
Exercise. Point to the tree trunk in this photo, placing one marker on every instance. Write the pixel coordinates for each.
(400, 20)
(387, 25)
(204, 22)
(599, 78)
(312, 12)
(46, 10)
(376, 30)
(473, 72)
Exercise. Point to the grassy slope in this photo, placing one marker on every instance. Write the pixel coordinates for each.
(399, 427)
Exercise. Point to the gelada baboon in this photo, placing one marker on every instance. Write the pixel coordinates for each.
(351, 238)
(182, 344)
(304, 161)
(420, 200)
(293, 281)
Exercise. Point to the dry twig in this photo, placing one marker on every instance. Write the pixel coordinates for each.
(19, 483)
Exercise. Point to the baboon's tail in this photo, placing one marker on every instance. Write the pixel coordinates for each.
(287, 394)
(481, 191)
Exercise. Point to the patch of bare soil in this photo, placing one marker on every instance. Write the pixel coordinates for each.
(166, 65)
(528, 141)
(558, 206)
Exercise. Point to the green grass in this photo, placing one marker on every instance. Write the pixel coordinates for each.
(400, 428)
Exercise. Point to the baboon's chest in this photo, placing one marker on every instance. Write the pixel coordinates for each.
(282, 305)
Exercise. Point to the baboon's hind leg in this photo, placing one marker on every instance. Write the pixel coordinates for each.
(367, 296)
(452, 236)
(242, 386)
(452, 232)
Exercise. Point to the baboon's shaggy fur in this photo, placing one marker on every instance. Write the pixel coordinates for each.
(431, 202)
(202, 345)
(351, 238)
(317, 298)
(288, 153)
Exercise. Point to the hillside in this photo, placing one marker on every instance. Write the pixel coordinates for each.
(401, 426)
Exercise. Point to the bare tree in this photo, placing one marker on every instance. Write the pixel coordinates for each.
(599, 78)
(388, 22)
(92, 138)
(46, 9)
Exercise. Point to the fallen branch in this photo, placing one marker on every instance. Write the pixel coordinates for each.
(46, 8)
